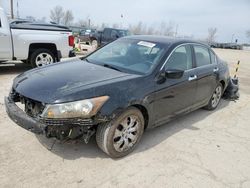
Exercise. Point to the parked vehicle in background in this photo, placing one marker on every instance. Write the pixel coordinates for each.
(34, 43)
(118, 91)
(89, 36)
(76, 30)
(100, 38)
(227, 45)
(110, 34)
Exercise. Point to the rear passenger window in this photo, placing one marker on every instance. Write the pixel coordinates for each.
(202, 56)
(213, 57)
(180, 59)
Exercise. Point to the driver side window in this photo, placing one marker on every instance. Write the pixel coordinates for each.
(180, 59)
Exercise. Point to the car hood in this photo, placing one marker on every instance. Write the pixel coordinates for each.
(64, 82)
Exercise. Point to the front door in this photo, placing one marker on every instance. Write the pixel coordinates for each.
(176, 96)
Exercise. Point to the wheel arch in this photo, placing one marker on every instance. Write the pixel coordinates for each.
(49, 46)
(223, 83)
(144, 112)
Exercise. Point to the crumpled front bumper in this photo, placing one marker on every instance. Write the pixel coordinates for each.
(22, 119)
(57, 128)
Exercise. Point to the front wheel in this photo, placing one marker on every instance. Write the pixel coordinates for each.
(119, 137)
(42, 57)
(215, 99)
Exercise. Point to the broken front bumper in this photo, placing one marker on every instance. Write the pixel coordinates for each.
(57, 128)
(22, 119)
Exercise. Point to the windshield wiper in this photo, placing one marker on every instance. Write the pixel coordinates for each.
(86, 59)
(111, 67)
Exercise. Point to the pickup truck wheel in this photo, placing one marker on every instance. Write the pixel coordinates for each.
(119, 137)
(42, 57)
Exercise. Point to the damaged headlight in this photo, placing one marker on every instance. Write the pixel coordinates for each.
(84, 108)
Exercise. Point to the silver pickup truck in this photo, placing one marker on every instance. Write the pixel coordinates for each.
(34, 43)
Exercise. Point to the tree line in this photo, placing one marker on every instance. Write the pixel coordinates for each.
(65, 17)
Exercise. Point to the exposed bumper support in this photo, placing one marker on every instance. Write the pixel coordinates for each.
(60, 129)
(22, 119)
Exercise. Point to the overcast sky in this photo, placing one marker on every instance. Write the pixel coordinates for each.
(193, 17)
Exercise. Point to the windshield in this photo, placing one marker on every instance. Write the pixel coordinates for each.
(128, 55)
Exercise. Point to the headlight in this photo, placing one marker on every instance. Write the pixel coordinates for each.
(85, 108)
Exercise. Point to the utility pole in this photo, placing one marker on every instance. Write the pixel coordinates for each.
(176, 30)
(232, 38)
(17, 9)
(11, 9)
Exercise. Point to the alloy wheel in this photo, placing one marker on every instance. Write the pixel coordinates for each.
(216, 96)
(44, 59)
(126, 133)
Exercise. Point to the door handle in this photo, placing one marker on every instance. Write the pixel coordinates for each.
(216, 69)
(193, 77)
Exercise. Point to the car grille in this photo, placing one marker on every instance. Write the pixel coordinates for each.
(61, 122)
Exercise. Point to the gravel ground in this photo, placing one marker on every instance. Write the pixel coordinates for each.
(201, 149)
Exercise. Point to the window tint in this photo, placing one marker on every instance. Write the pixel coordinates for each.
(180, 59)
(213, 57)
(202, 56)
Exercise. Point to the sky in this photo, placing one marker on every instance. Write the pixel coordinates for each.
(192, 17)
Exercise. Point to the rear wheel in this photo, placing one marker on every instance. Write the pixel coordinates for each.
(94, 43)
(42, 57)
(216, 97)
(119, 137)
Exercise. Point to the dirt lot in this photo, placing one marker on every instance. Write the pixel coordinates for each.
(202, 149)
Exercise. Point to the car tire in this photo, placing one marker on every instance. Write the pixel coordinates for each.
(215, 98)
(42, 57)
(120, 136)
(94, 44)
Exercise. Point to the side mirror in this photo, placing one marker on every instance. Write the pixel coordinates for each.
(174, 73)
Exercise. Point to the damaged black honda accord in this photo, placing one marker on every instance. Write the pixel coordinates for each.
(115, 93)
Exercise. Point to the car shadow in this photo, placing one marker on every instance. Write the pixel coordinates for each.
(13, 68)
(72, 150)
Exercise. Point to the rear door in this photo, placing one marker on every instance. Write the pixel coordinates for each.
(5, 40)
(207, 73)
(176, 96)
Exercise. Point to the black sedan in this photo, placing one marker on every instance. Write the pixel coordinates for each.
(117, 92)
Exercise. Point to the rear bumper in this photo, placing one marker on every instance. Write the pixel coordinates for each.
(22, 119)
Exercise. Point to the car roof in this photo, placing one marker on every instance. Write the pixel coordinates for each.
(163, 39)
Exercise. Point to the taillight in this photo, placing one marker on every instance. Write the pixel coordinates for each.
(71, 40)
